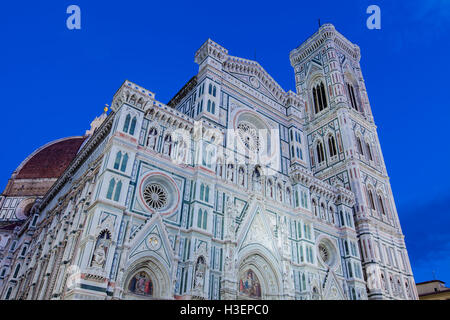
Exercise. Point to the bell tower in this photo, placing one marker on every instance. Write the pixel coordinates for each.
(344, 150)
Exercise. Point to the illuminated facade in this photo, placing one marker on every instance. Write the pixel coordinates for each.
(235, 189)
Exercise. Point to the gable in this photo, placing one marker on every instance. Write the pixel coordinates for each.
(152, 239)
(256, 230)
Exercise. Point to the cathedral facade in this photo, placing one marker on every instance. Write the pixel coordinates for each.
(235, 189)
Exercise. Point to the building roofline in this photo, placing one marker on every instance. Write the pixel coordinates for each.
(430, 281)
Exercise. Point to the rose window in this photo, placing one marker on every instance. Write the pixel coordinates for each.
(327, 252)
(155, 196)
(324, 254)
(249, 135)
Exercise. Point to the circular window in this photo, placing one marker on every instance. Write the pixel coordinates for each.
(324, 254)
(327, 253)
(249, 135)
(155, 196)
(159, 193)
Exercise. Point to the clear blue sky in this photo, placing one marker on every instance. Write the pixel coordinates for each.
(54, 81)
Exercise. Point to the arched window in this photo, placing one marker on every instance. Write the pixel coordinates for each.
(118, 158)
(133, 126)
(202, 192)
(369, 152)
(118, 189)
(371, 202)
(8, 294)
(111, 186)
(319, 98)
(199, 218)
(381, 204)
(16, 271)
(126, 124)
(352, 97)
(205, 219)
(208, 108)
(350, 271)
(359, 144)
(24, 250)
(316, 102)
(332, 146)
(210, 89)
(214, 91)
(320, 153)
(213, 108)
(303, 278)
(123, 168)
(207, 194)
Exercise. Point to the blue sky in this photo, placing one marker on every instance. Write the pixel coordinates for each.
(55, 81)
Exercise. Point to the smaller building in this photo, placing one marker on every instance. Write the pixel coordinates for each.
(433, 290)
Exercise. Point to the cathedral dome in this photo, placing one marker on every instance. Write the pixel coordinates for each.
(37, 173)
(50, 160)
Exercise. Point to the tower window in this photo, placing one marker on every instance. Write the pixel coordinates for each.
(351, 94)
(114, 189)
(126, 124)
(332, 146)
(319, 97)
(369, 152)
(380, 201)
(359, 144)
(371, 202)
(133, 126)
(320, 153)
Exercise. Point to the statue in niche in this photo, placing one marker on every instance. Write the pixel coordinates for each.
(383, 282)
(101, 250)
(231, 213)
(152, 138)
(229, 265)
(256, 179)
(181, 156)
(241, 177)
(230, 172)
(167, 150)
(372, 278)
(199, 276)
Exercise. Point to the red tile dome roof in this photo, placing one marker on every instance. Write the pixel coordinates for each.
(50, 160)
